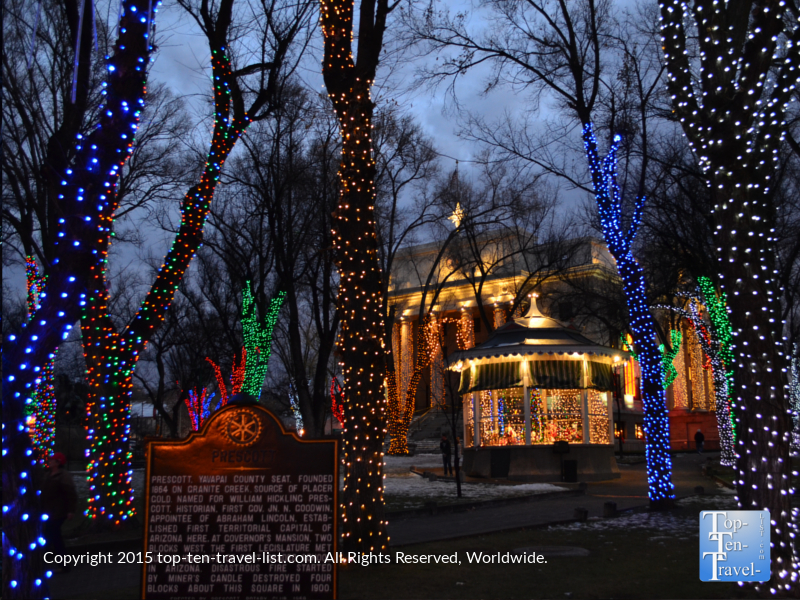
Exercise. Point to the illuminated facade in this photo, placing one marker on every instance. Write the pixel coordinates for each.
(459, 326)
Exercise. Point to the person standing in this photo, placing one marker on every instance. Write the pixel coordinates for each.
(699, 438)
(59, 501)
(444, 446)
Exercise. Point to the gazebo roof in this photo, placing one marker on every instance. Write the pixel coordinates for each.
(531, 335)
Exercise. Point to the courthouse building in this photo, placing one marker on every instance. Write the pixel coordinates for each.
(473, 319)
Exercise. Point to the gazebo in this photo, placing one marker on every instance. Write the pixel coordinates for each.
(537, 403)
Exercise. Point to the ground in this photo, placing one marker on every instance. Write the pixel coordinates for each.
(637, 554)
(405, 490)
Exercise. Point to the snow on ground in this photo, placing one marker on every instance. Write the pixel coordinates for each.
(413, 485)
(402, 464)
(666, 525)
(412, 491)
(406, 490)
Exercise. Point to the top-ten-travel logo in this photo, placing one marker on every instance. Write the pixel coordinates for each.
(734, 545)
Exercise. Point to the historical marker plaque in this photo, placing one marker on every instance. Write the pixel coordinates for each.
(241, 509)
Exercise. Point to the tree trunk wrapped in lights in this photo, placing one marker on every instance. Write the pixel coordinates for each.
(794, 398)
(401, 413)
(717, 342)
(361, 339)
(83, 190)
(434, 335)
(111, 356)
(731, 103)
(715, 349)
(642, 324)
(40, 415)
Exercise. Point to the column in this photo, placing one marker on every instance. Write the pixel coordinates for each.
(527, 404)
(495, 413)
(406, 360)
(587, 438)
(476, 415)
(585, 414)
(464, 401)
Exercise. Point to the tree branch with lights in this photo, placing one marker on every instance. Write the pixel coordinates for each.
(257, 339)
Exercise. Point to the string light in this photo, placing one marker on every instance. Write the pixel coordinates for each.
(620, 242)
(722, 338)
(35, 285)
(42, 427)
(794, 398)
(499, 316)
(111, 356)
(680, 395)
(720, 385)
(696, 372)
(629, 369)
(361, 343)
(236, 378)
(713, 342)
(83, 192)
(40, 413)
(598, 419)
(294, 402)
(258, 339)
(465, 329)
(537, 416)
(465, 334)
(401, 406)
(434, 333)
(247, 375)
(732, 105)
(200, 407)
(337, 401)
(668, 370)
(429, 354)
(502, 417)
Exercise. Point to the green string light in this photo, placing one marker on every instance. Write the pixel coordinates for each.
(257, 339)
(668, 370)
(717, 308)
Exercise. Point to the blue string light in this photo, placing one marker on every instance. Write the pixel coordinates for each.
(620, 241)
(92, 175)
(200, 407)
